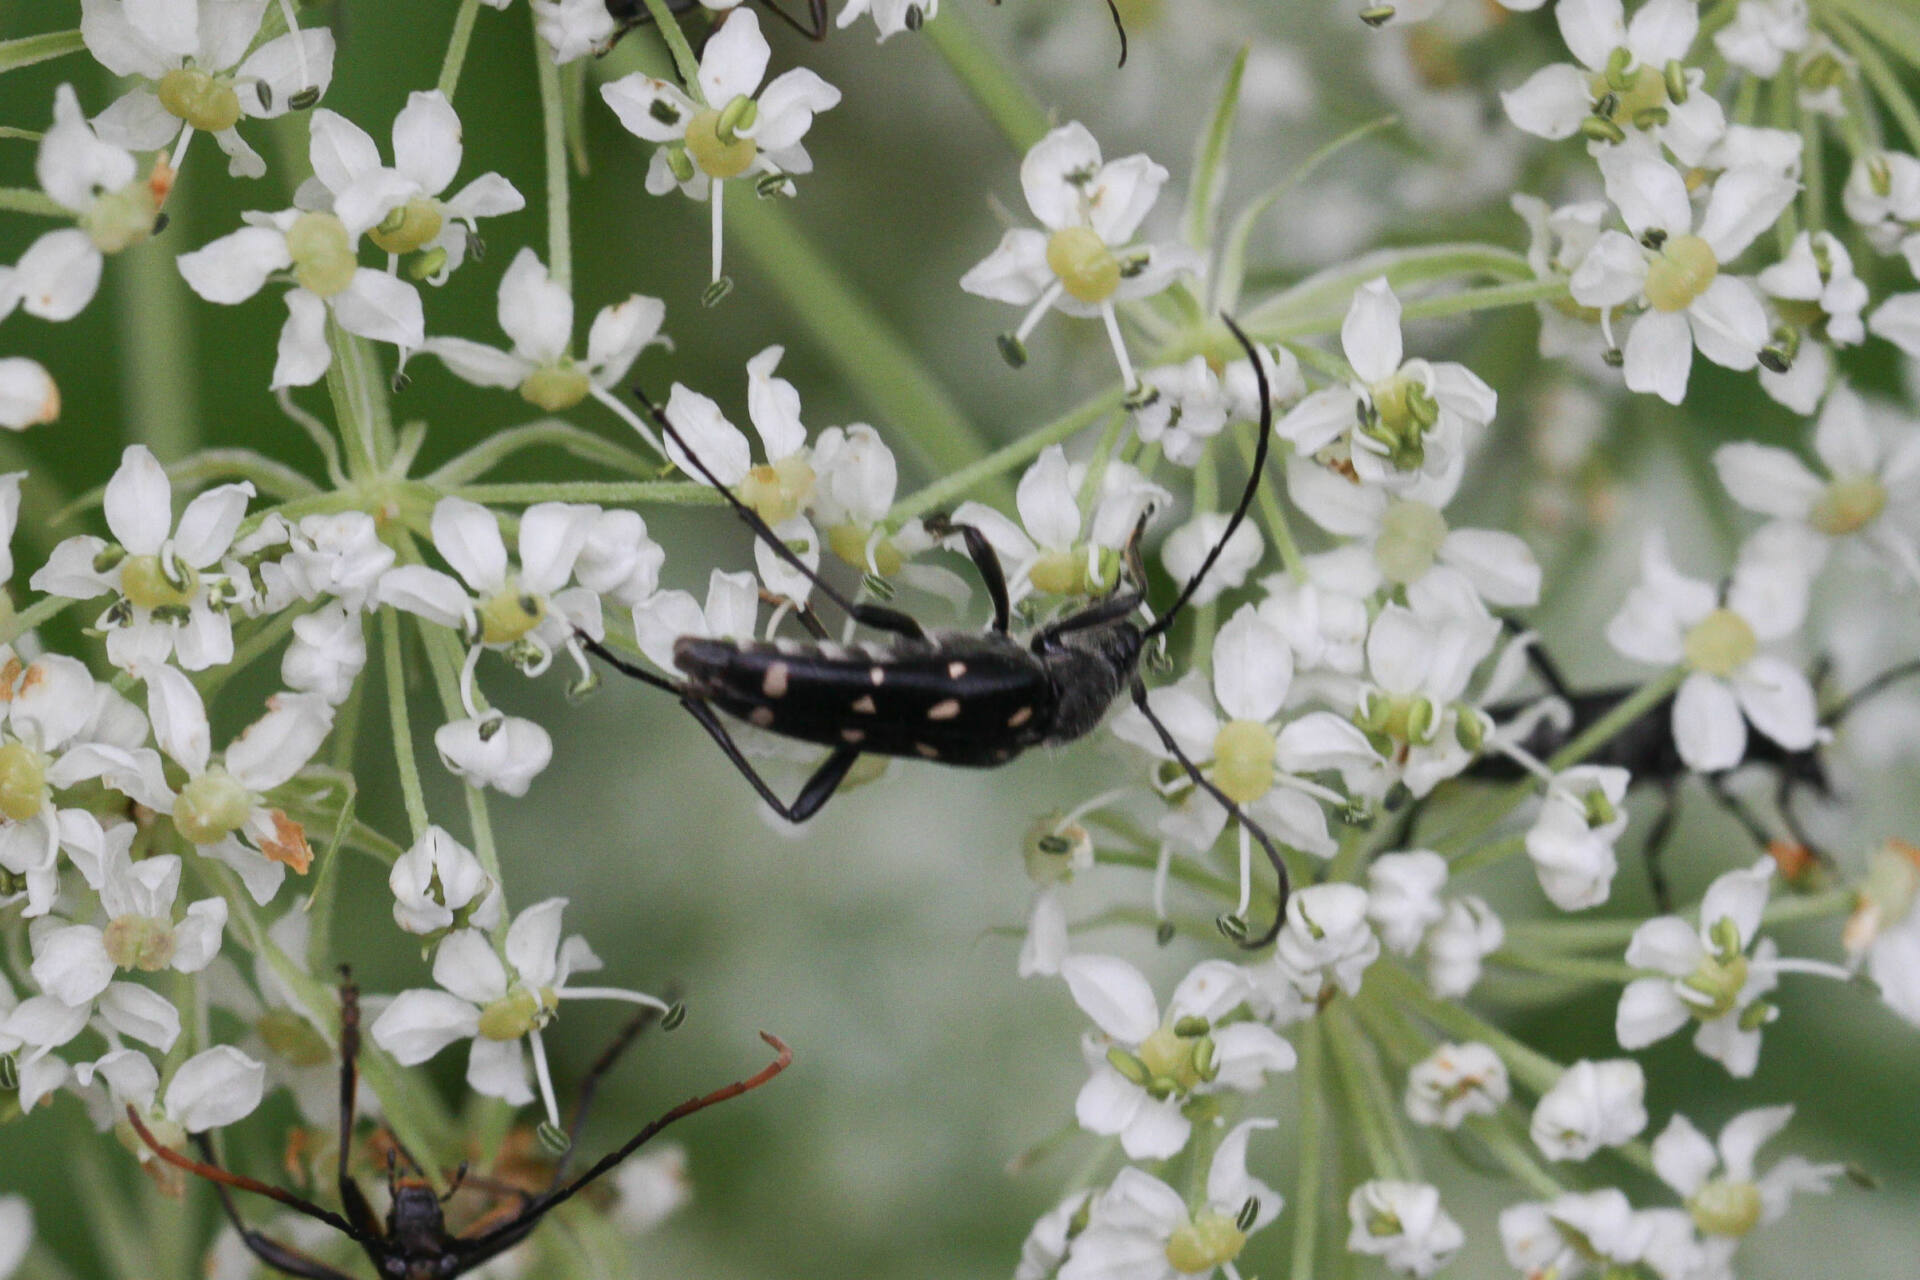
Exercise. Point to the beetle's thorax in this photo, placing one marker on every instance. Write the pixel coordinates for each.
(1089, 669)
(417, 1229)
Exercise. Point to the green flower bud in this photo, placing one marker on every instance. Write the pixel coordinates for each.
(211, 807)
(1723, 1208)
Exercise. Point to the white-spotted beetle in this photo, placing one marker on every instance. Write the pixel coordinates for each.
(414, 1243)
(963, 698)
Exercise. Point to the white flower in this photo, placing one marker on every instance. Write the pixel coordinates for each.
(1707, 975)
(1398, 421)
(1056, 849)
(1883, 930)
(1592, 1105)
(1059, 552)
(1454, 1082)
(1046, 1245)
(115, 209)
(493, 750)
(1255, 755)
(1872, 481)
(320, 250)
(731, 611)
(1574, 1235)
(210, 1090)
(650, 1186)
(75, 962)
(1678, 270)
(1572, 837)
(222, 807)
(1407, 536)
(1084, 261)
(1324, 616)
(439, 885)
(497, 1004)
(1898, 320)
(192, 56)
(574, 29)
(729, 132)
(401, 206)
(1816, 300)
(537, 314)
(1145, 1067)
(1324, 945)
(1718, 1181)
(1469, 932)
(1140, 1228)
(1402, 1223)
(327, 653)
(337, 554)
(891, 17)
(1403, 897)
(1762, 33)
(619, 560)
(1669, 618)
(1626, 80)
(1883, 195)
(16, 1233)
(28, 394)
(172, 599)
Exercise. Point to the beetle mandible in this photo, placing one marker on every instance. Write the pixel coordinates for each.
(956, 697)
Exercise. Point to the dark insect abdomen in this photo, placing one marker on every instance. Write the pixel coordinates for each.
(962, 698)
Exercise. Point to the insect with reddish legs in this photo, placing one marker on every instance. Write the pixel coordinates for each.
(975, 699)
(414, 1243)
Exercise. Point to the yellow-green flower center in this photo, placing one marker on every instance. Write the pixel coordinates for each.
(23, 781)
(203, 100)
(556, 387)
(293, 1039)
(1720, 979)
(413, 225)
(716, 148)
(144, 582)
(1632, 94)
(1086, 267)
(1208, 1241)
(1176, 1064)
(121, 219)
(1053, 850)
(518, 1012)
(1389, 718)
(1409, 542)
(509, 615)
(778, 490)
(139, 942)
(849, 542)
(322, 251)
(1720, 643)
(1243, 754)
(1723, 1208)
(211, 807)
(1405, 411)
(1848, 506)
(1074, 572)
(1686, 265)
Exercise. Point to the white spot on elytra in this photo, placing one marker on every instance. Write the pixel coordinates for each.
(864, 704)
(878, 675)
(775, 683)
(762, 716)
(853, 735)
(956, 669)
(946, 709)
(931, 753)
(1019, 717)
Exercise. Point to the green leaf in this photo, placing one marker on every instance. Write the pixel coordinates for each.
(1210, 163)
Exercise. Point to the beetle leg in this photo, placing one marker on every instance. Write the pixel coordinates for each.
(813, 796)
(280, 1257)
(814, 28)
(352, 1199)
(986, 560)
(1099, 614)
(1282, 882)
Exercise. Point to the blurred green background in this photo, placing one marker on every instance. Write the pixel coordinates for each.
(923, 1065)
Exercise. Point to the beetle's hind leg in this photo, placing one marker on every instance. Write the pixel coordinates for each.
(1232, 925)
(813, 796)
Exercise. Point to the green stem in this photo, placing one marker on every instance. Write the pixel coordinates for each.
(984, 75)
(42, 610)
(501, 445)
(1893, 24)
(404, 758)
(359, 407)
(866, 349)
(456, 59)
(1373, 1079)
(943, 492)
(683, 60)
(677, 493)
(1362, 1109)
(1312, 1137)
(553, 134)
(28, 50)
(1274, 516)
(27, 200)
(1533, 1069)
(1184, 870)
(1573, 968)
(1487, 855)
(1511, 1152)
(1893, 95)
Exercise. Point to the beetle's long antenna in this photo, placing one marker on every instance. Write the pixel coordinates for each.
(477, 1249)
(214, 1173)
(1254, 477)
(1113, 8)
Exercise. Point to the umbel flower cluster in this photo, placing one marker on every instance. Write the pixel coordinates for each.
(1688, 204)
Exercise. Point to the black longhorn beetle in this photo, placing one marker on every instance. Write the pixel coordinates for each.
(634, 13)
(414, 1243)
(1646, 750)
(956, 697)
